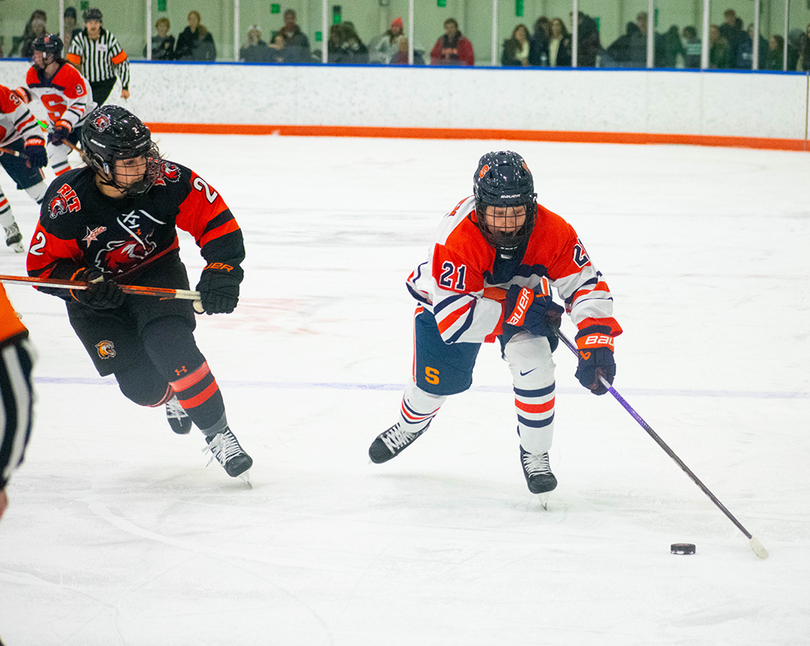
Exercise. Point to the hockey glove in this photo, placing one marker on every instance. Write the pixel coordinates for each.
(595, 345)
(532, 311)
(61, 130)
(101, 294)
(35, 151)
(219, 287)
(24, 93)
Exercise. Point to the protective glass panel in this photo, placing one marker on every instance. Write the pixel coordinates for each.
(597, 24)
(19, 28)
(516, 35)
(799, 37)
(677, 26)
(467, 38)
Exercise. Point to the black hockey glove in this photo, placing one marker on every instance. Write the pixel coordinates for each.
(595, 346)
(61, 130)
(532, 311)
(219, 287)
(35, 151)
(101, 294)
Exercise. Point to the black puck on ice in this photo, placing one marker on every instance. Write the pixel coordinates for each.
(682, 548)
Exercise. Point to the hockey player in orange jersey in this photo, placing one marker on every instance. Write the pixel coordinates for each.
(488, 277)
(23, 159)
(64, 93)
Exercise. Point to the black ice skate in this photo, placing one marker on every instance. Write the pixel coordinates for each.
(226, 449)
(14, 238)
(537, 471)
(177, 416)
(391, 443)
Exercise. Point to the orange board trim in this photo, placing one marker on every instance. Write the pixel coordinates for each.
(477, 133)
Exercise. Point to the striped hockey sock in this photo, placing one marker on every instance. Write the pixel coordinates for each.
(535, 414)
(418, 408)
(199, 395)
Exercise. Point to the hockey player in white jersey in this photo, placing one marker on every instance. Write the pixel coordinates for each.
(23, 158)
(488, 277)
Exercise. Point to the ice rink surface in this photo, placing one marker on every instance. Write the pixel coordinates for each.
(117, 534)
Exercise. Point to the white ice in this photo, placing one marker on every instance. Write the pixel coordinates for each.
(117, 534)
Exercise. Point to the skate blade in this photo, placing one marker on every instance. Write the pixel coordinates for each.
(245, 477)
(17, 247)
(543, 498)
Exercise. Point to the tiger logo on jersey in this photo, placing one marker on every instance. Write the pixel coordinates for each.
(57, 206)
(102, 122)
(105, 349)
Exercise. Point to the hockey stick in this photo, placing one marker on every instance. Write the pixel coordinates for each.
(759, 550)
(60, 283)
(8, 151)
(499, 294)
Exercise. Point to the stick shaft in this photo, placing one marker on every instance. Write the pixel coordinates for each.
(661, 443)
(8, 151)
(59, 283)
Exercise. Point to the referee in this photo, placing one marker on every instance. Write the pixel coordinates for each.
(95, 52)
(16, 394)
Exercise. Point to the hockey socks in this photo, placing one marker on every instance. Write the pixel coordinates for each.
(418, 408)
(199, 395)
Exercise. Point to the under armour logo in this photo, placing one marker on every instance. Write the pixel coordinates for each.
(180, 370)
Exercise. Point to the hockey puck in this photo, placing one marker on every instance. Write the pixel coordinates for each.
(682, 548)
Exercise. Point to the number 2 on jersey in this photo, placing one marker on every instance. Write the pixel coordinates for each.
(451, 277)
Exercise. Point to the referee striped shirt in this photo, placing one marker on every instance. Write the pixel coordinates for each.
(99, 59)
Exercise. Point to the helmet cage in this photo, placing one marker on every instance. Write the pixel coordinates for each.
(503, 179)
(112, 133)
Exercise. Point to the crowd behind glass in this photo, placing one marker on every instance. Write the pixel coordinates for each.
(545, 42)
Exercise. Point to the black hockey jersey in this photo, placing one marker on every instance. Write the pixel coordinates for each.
(81, 227)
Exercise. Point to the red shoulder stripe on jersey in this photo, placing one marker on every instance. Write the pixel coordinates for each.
(220, 231)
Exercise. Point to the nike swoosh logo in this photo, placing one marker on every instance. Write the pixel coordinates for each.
(523, 374)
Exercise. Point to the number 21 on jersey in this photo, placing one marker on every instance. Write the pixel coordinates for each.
(452, 277)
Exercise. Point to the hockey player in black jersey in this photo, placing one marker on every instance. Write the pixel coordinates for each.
(113, 223)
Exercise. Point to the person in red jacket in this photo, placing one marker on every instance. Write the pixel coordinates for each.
(453, 48)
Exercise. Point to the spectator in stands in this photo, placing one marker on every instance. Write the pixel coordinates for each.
(401, 57)
(28, 37)
(629, 50)
(670, 48)
(719, 51)
(538, 46)
(776, 57)
(345, 45)
(516, 49)
(195, 43)
(804, 52)
(383, 48)
(277, 49)
(453, 48)
(69, 18)
(588, 46)
(296, 43)
(559, 45)
(794, 48)
(163, 43)
(731, 31)
(37, 29)
(745, 51)
(96, 53)
(692, 48)
(255, 51)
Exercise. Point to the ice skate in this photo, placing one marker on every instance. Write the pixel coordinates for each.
(177, 417)
(391, 443)
(226, 449)
(538, 474)
(14, 238)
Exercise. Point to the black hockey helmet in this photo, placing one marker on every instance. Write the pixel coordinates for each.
(503, 179)
(93, 14)
(112, 133)
(49, 44)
